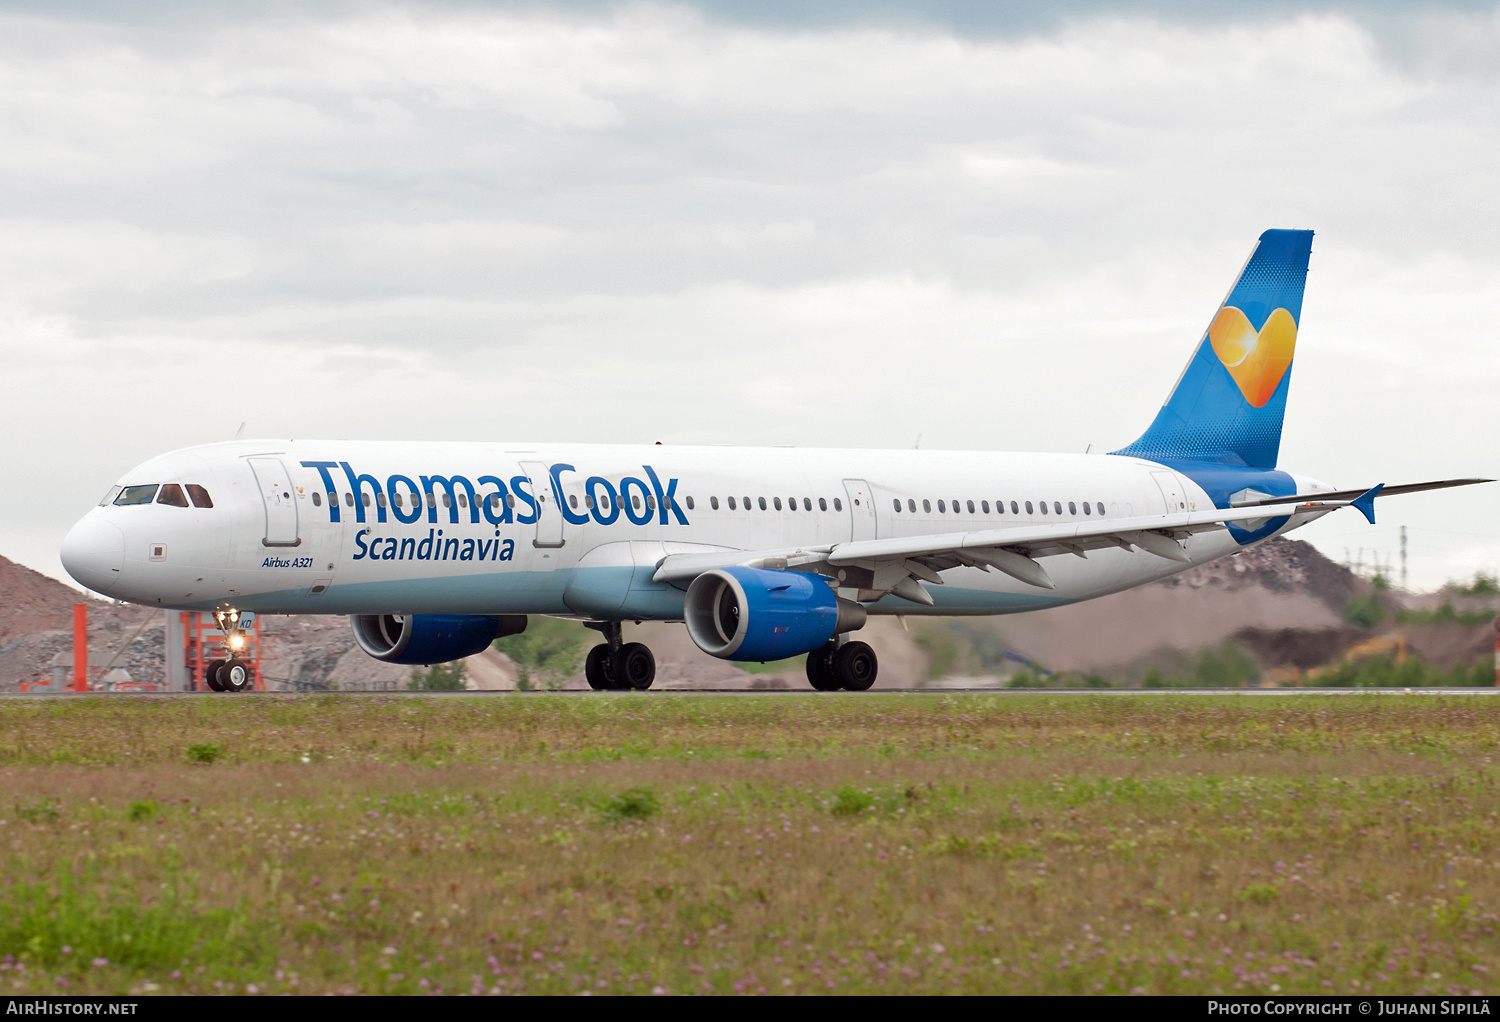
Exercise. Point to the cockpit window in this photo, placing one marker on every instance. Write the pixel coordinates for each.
(200, 496)
(172, 494)
(109, 498)
(136, 495)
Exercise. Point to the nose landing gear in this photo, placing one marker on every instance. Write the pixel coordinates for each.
(231, 674)
(616, 666)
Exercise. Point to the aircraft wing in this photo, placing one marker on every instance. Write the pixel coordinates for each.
(880, 566)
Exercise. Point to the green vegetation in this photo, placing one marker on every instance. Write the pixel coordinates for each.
(1027, 677)
(1384, 672)
(1006, 843)
(796, 663)
(548, 652)
(1364, 611)
(1225, 666)
(204, 752)
(1445, 614)
(946, 655)
(447, 677)
(631, 804)
(1483, 585)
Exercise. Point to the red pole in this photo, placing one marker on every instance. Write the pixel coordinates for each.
(80, 647)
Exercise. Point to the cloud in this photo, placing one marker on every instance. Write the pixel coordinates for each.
(665, 222)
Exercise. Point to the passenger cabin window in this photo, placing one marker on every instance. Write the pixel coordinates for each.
(762, 503)
(985, 505)
(463, 500)
(911, 505)
(317, 499)
(510, 501)
(776, 503)
(822, 503)
(635, 502)
(1086, 508)
(731, 504)
(713, 503)
(448, 500)
(572, 500)
(896, 504)
(348, 499)
(971, 506)
(136, 495)
(1072, 508)
(1043, 503)
(201, 498)
(1100, 508)
(380, 498)
(366, 498)
(807, 503)
(747, 504)
(1028, 507)
(1057, 506)
(172, 494)
(1015, 510)
(942, 508)
(690, 503)
(838, 505)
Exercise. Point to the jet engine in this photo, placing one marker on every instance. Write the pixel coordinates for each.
(430, 638)
(762, 614)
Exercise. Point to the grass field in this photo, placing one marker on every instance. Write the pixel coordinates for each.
(641, 843)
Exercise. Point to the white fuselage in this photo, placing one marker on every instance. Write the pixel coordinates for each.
(580, 528)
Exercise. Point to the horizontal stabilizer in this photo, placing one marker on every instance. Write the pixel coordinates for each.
(1385, 491)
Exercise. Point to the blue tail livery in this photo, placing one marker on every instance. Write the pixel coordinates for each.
(1228, 405)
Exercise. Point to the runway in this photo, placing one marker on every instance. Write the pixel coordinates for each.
(1005, 693)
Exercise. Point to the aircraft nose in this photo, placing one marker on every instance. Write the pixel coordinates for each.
(94, 552)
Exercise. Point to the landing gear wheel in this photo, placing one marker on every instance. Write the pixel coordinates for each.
(635, 667)
(855, 666)
(211, 675)
(234, 676)
(820, 670)
(599, 668)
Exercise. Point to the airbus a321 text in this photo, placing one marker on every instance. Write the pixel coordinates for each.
(434, 550)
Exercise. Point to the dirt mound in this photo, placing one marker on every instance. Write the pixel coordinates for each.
(32, 602)
(1280, 566)
(1296, 647)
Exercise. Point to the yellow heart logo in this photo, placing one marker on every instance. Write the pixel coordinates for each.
(1256, 361)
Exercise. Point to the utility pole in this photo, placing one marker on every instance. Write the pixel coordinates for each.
(1403, 558)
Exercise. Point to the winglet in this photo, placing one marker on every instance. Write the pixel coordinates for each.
(1365, 502)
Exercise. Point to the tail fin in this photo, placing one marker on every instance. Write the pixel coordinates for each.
(1229, 402)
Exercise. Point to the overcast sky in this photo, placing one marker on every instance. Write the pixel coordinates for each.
(744, 224)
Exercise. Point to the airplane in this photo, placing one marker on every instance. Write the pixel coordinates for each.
(435, 550)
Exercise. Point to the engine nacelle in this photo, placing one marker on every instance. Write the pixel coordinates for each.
(760, 614)
(430, 638)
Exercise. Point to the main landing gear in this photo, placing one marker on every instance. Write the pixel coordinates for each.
(614, 665)
(850, 666)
